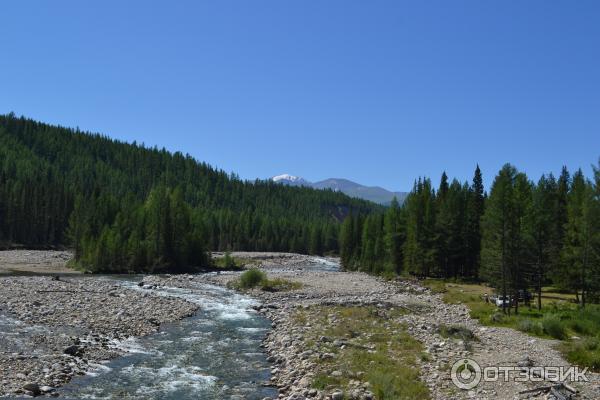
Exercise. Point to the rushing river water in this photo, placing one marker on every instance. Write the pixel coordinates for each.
(215, 354)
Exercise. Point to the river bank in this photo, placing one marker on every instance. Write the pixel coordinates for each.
(301, 360)
(337, 335)
(53, 330)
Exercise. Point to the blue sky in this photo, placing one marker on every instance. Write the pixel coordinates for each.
(379, 92)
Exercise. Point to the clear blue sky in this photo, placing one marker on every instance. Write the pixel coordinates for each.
(375, 91)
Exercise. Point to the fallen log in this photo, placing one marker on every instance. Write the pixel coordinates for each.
(554, 391)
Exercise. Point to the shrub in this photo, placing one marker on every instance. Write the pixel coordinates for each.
(228, 261)
(554, 327)
(456, 332)
(584, 353)
(497, 317)
(583, 326)
(530, 326)
(252, 278)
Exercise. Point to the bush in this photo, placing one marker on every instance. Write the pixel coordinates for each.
(497, 317)
(584, 353)
(554, 327)
(228, 261)
(583, 327)
(252, 278)
(456, 332)
(529, 326)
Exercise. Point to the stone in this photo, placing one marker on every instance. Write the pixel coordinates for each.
(46, 389)
(74, 351)
(33, 388)
(337, 395)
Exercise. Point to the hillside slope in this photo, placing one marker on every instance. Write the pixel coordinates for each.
(47, 172)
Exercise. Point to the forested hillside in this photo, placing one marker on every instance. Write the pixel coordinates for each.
(523, 235)
(126, 207)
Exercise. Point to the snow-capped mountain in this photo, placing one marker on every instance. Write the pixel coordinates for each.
(375, 194)
(290, 180)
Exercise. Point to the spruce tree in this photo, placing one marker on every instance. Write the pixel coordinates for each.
(497, 225)
(474, 213)
(543, 231)
(394, 235)
(580, 270)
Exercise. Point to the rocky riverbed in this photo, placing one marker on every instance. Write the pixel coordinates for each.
(53, 330)
(298, 358)
(328, 334)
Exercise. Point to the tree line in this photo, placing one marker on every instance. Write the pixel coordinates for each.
(521, 236)
(129, 208)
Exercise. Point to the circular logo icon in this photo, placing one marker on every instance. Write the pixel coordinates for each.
(466, 374)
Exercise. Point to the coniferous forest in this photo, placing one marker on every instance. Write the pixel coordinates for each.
(128, 208)
(522, 235)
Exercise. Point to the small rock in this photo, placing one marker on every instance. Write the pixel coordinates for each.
(337, 396)
(73, 351)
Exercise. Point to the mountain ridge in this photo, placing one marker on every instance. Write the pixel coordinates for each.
(375, 194)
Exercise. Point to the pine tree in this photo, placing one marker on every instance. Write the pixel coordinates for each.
(419, 247)
(521, 238)
(497, 225)
(443, 228)
(347, 243)
(394, 236)
(474, 213)
(543, 230)
(316, 241)
(580, 270)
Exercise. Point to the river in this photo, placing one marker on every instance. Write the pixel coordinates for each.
(215, 354)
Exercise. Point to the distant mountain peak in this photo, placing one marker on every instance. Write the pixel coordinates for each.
(372, 193)
(287, 178)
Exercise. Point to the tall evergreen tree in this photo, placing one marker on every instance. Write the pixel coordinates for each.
(580, 272)
(475, 210)
(497, 224)
(543, 230)
(394, 227)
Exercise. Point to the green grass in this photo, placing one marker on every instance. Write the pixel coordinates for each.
(530, 326)
(435, 285)
(554, 327)
(560, 318)
(378, 351)
(279, 285)
(584, 352)
(228, 262)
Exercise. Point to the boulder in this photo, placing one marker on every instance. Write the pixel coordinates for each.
(74, 351)
(33, 388)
